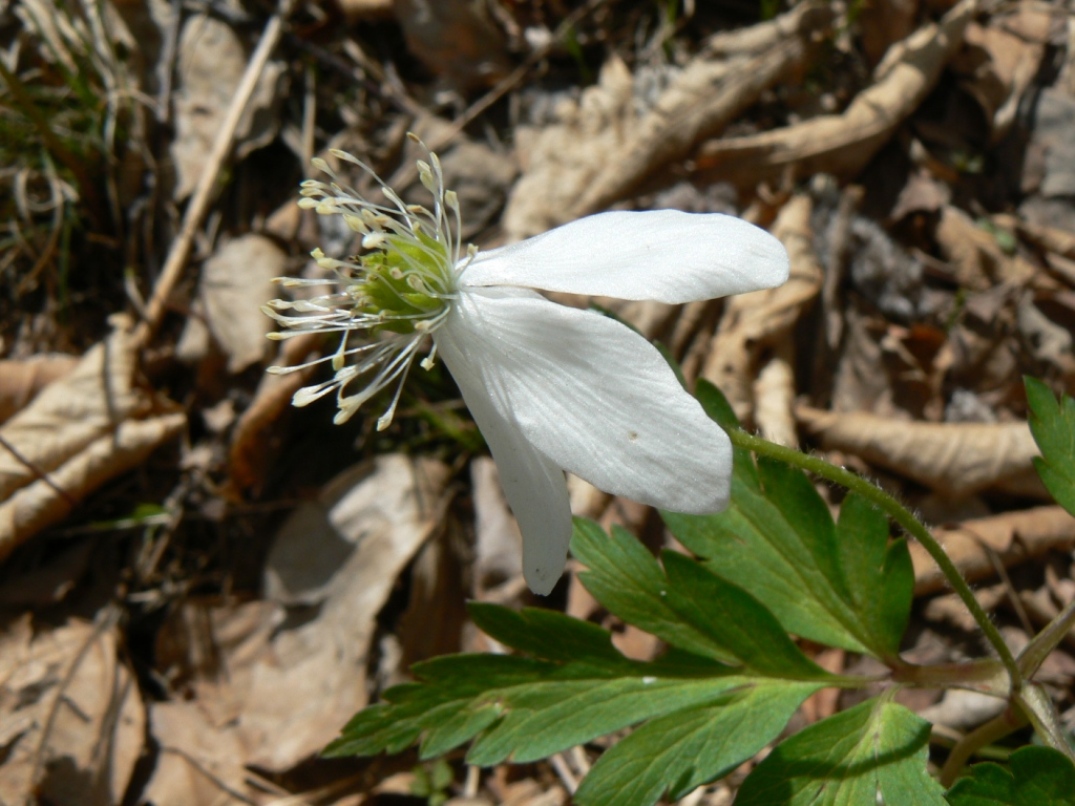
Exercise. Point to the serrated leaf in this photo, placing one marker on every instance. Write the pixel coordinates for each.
(528, 708)
(625, 578)
(1052, 423)
(735, 620)
(681, 751)
(879, 573)
(778, 541)
(1036, 776)
(872, 753)
(685, 604)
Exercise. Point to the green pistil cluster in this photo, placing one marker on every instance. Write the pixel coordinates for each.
(407, 281)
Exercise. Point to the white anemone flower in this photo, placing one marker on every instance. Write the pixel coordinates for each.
(551, 387)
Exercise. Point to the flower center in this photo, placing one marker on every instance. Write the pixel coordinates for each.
(407, 282)
(393, 296)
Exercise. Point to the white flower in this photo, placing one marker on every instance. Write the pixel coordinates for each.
(552, 388)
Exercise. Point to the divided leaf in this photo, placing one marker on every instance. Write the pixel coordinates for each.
(687, 605)
(680, 752)
(1052, 423)
(579, 688)
(873, 753)
(845, 585)
(1038, 776)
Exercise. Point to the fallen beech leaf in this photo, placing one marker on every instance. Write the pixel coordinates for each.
(978, 260)
(196, 762)
(774, 398)
(1001, 60)
(285, 687)
(1011, 537)
(257, 434)
(455, 39)
(561, 159)
(39, 505)
(843, 144)
(73, 412)
(702, 99)
(211, 61)
(20, 381)
(953, 458)
(234, 284)
(599, 151)
(498, 545)
(754, 323)
(73, 719)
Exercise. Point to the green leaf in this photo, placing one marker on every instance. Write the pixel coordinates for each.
(527, 709)
(847, 586)
(873, 753)
(682, 751)
(1053, 425)
(1038, 776)
(686, 605)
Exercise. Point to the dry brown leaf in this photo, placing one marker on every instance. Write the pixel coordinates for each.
(598, 151)
(21, 380)
(843, 144)
(560, 160)
(211, 62)
(235, 282)
(72, 716)
(953, 458)
(70, 414)
(257, 434)
(1001, 60)
(701, 100)
(455, 39)
(356, 10)
(978, 260)
(1010, 538)
(498, 544)
(196, 763)
(286, 688)
(754, 323)
(774, 398)
(41, 504)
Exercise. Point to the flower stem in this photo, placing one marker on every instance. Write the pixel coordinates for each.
(995, 729)
(910, 524)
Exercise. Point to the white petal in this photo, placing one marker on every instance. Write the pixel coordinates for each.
(663, 255)
(594, 397)
(533, 484)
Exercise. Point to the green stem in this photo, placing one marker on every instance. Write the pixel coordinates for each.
(903, 517)
(994, 730)
(1046, 641)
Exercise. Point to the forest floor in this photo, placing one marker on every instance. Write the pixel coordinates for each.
(201, 583)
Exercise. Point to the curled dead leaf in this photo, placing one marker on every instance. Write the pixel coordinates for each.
(20, 381)
(754, 323)
(282, 688)
(72, 715)
(71, 413)
(843, 144)
(953, 458)
(48, 501)
(976, 546)
(702, 100)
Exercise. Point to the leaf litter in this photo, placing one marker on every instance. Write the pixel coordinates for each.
(201, 584)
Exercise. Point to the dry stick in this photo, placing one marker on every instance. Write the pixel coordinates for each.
(203, 191)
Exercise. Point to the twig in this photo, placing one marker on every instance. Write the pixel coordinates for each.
(203, 191)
